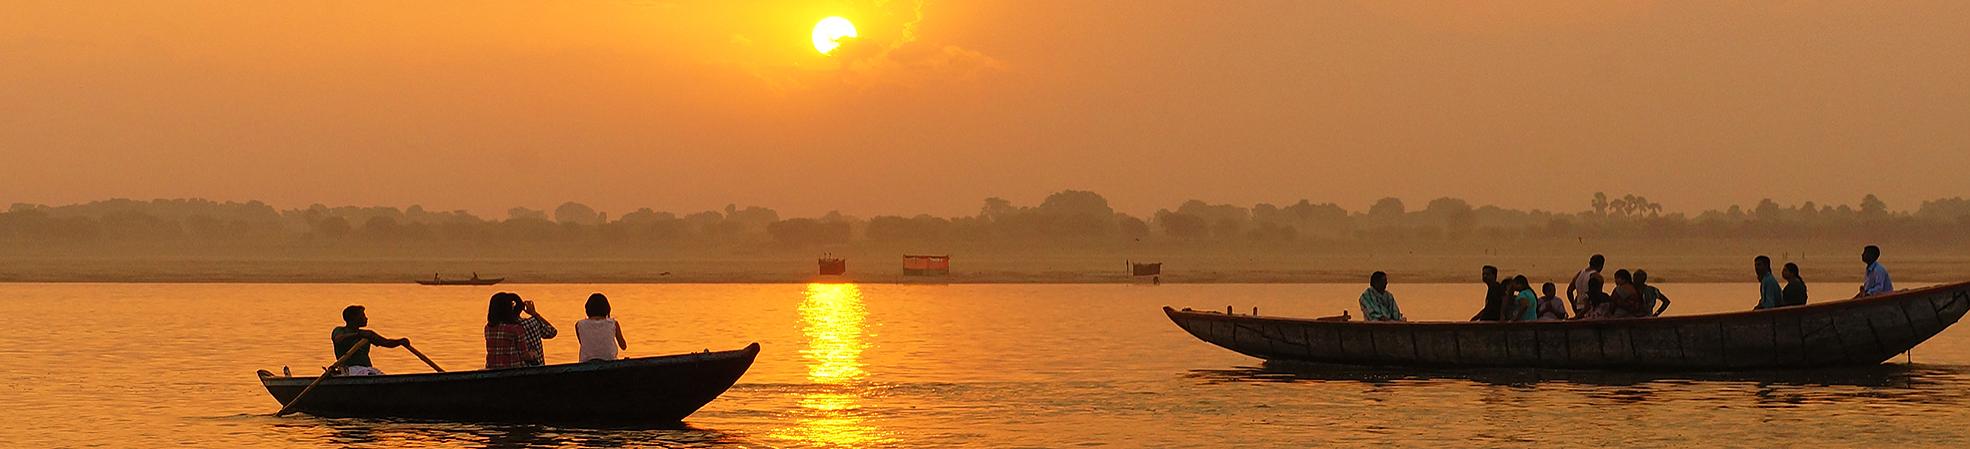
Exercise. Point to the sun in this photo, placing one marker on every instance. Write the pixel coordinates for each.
(829, 33)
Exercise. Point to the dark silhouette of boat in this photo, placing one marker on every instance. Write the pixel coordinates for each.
(474, 280)
(649, 390)
(831, 265)
(1862, 331)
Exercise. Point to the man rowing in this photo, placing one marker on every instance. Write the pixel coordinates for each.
(351, 332)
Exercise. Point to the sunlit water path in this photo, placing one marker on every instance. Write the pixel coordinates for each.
(136, 365)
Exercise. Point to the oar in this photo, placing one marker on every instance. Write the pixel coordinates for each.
(420, 356)
(289, 408)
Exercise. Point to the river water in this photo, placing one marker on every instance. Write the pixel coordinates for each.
(845, 365)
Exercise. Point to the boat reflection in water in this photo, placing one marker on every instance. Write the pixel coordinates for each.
(830, 411)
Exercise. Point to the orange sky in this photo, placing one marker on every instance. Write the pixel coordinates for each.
(690, 105)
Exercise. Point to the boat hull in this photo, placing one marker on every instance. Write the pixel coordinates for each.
(1837, 333)
(460, 281)
(653, 390)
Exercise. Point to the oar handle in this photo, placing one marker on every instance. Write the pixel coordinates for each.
(289, 407)
(420, 356)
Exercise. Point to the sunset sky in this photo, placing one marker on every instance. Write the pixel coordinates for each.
(688, 106)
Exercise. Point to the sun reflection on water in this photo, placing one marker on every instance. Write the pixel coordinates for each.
(830, 412)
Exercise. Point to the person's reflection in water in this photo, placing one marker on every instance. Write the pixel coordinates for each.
(830, 413)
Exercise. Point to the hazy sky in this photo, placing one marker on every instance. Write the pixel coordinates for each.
(690, 105)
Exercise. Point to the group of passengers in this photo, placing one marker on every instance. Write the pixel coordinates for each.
(511, 340)
(1587, 296)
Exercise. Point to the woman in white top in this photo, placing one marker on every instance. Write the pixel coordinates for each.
(597, 330)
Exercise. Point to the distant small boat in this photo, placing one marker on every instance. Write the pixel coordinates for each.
(832, 266)
(1863, 331)
(475, 280)
(649, 390)
(1146, 268)
(914, 265)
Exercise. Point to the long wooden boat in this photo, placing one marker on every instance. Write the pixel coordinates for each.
(1861, 331)
(472, 281)
(649, 390)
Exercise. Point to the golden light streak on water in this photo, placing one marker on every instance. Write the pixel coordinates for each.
(830, 414)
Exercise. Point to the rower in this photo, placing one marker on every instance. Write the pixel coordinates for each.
(352, 332)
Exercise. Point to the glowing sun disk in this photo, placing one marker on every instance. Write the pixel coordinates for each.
(829, 33)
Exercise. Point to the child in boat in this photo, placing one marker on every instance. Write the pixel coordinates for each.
(1551, 307)
(597, 331)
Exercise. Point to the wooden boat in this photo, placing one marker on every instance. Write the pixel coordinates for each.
(832, 266)
(1861, 331)
(649, 390)
(473, 281)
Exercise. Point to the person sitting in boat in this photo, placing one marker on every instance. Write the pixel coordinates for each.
(1653, 301)
(1876, 281)
(1599, 304)
(351, 332)
(1574, 289)
(1794, 293)
(1377, 304)
(1551, 307)
(600, 335)
(1769, 293)
(504, 348)
(1627, 299)
(537, 329)
(1525, 304)
(1496, 294)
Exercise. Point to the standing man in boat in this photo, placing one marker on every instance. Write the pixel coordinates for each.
(1495, 296)
(1377, 304)
(537, 329)
(351, 332)
(1575, 289)
(1876, 282)
(1769, 293)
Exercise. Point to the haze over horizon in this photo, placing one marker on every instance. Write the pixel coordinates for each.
(689, 106)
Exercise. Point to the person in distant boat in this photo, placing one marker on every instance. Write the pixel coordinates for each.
(599, 334)
(1599, 304)
(1377, 304)
(1653, 301)
(1579, 283)
(504, 348)
(351, 332)
(1876, 282)
(1551, 307)
(1495, 296)
(537, 329)
(1769, 293)
(1525, 306)
(1794, 293)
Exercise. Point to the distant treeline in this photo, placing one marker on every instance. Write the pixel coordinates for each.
(1066, 218)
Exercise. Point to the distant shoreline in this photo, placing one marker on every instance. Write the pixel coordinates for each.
(1208, 268)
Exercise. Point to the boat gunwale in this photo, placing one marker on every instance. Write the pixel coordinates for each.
(747, 353)
(1835, 305)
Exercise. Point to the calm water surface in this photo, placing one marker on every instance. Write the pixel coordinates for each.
(134, 365)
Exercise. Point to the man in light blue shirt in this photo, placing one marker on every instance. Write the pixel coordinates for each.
(1769, 293)
(1876, 282)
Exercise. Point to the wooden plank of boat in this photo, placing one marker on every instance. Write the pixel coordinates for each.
(1861, 331)
(486, 281)
(649, 390)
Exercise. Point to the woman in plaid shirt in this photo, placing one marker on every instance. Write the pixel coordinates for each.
(505, 347)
